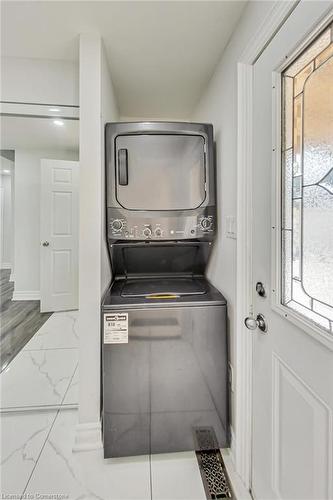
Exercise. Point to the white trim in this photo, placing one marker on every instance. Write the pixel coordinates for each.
(26, 295)
(27, 409)
(88, 437)
(243, 392)
(242, 439)
(304, 324)
(232, 445)
(240, 492)
(39, 110)
(275, 18)
(317, 29)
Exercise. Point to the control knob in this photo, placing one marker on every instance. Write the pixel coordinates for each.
(117, 225)
(158, 232)
(147, 232)
(206, 223)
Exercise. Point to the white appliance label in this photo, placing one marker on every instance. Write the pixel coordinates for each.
(116, 328)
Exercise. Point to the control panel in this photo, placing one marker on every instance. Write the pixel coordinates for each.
(200, 225)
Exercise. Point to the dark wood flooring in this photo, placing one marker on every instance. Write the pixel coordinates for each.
(19, 320)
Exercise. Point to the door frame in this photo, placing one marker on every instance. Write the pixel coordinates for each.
(241, 439)
(241, 446)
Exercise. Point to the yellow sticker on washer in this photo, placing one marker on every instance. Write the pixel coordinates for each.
(165, 296)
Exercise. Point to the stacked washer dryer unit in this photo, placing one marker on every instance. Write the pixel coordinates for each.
(164, 345)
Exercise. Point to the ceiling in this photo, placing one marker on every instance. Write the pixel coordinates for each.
(161, 54)
(39, 133)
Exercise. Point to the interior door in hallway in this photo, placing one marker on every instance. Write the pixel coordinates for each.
(292, 362)
(59, 209)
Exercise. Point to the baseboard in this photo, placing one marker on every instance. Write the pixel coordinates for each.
(232, 445)
(88, 437)
(5, 265)
(28, 409)
(239, 489)
(26, 295)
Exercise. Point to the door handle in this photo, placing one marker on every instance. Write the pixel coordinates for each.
(252, 323)
(123, 167)
(45, 243)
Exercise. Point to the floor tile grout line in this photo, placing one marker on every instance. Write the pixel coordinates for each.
(48, 434)
(7, 406)
(50, 349)
(150, 416)
(41, 451)
(24, 351)
(150, 477)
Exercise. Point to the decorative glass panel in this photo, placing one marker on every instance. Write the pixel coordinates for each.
(307, 182)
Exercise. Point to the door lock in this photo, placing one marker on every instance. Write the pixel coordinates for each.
(260, 289)
(45, 243)
(252, 323)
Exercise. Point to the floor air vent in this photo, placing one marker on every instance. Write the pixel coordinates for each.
(212, 469)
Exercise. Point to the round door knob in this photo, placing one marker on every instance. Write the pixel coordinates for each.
(206, 223)
(45, 243)
(147, 232)
(117, 224)
(252, 323)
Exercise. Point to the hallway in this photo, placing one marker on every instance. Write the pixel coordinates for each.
(19, 320)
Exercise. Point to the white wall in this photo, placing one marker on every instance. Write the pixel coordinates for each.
(218, 105)
(39, 81)
(109, 113)
(97, 105)
(27, 219)
(6, 260)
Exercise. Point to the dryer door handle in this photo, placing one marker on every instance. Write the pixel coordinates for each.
(123, 167)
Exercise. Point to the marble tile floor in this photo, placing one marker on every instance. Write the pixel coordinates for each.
(38, 462)
(37, 437)
(40, 375)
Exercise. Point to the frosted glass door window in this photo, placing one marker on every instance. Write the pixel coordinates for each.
(307, 182)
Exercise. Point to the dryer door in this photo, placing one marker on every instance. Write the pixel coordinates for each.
(160, 172)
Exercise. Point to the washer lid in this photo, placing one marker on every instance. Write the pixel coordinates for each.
(162, 287)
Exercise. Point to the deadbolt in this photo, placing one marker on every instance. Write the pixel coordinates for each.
(260, 289)
(252, 323)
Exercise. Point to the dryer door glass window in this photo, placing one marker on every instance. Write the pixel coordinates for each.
(160, 172)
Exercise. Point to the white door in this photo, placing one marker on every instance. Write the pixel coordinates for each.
(59, 223)
(292, 362)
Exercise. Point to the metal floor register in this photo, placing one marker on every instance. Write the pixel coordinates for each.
(212, 469)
